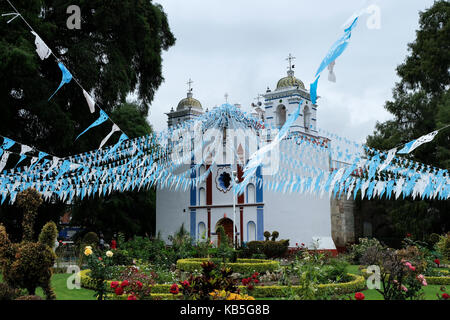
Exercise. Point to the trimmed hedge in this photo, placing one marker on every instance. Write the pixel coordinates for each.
(357, 283)
(243, 266)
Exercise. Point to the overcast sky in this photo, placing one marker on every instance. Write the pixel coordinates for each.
(239, 47)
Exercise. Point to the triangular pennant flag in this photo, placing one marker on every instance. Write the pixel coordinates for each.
(66, 77)
(90, 101)
(313, 90)
(410, 146)
(41, 48)
(114, 129)
(102, 118)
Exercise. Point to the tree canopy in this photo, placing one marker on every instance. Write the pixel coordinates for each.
(116, 53)
(420, 105)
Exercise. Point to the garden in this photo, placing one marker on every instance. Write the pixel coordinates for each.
(143, 268)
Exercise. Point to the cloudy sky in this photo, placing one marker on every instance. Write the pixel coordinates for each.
(240, 48)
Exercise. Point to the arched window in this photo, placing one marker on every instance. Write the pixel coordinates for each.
(201, 197)
(281, 115)
(251, 231)
(307, 117)
(201, 235)
(251, 195)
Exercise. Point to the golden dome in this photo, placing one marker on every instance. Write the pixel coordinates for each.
(189, 102)
(290, 81)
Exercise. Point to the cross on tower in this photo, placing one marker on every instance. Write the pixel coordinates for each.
(290, 58)
(189, 84)
(226, 97)
(258, 97)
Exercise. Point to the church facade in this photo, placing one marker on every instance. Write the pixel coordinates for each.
(301, 218)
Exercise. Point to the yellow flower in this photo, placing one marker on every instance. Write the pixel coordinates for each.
(87, 251)
(109, 253)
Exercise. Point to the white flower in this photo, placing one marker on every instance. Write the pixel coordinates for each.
(109, 253)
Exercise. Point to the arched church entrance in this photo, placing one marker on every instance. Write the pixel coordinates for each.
(227, 225)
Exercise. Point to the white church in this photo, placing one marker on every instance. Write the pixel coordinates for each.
(301, 218)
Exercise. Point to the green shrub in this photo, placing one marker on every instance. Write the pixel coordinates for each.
(243, 266)
(267, 235)
(271, 249)
(121, 258)
(29, 201)
(358, 250)
(443, 246)
(275, 235)
(90, 239)
(8, 293)
(48, 234)
(433, 239)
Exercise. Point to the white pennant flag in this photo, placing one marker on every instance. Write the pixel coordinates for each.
(331, 75)
(90, 101)
(389, 157)
(41, 48)
(114, 129)
(4, 160)
(410, 146)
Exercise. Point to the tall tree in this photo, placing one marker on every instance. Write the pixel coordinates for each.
(116, 52)
(420, 105)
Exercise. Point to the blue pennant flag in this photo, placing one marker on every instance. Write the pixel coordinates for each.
(337, 48)
(66, 78)
(313, 90)
(7, 143)
(102, 118)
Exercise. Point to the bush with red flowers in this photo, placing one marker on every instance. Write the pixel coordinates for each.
(444, 295)
(359, 296)
(135, 284)
(251, 281)
(212, 279)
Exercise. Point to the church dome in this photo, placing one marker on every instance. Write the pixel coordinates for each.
(189, 102)
(290, 81)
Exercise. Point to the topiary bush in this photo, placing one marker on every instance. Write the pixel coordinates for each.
(29, 201)
(443, 246)
(8, 293)
(48, 234)
(275, 235)
(29, 264)
(271, 249)
(267, 235)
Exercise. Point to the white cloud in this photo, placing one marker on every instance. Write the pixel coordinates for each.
(239, 47)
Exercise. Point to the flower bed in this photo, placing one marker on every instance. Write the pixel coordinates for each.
(162, 291)
(243, 266)
(444, 280)
(356, 284)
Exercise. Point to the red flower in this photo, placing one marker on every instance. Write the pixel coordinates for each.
(139, 284)
(256, 280)
(245, 281)
(250, 287)
(124, 283)
(408, 235)
(114, 284)
(437, 261)
(185, 283)
(359, 296)
(119, 291)
(131, 297)
(174, 289)
(296, 244)
(100, 258)
(445, 296)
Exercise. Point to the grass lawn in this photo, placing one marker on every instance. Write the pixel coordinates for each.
(59, 284)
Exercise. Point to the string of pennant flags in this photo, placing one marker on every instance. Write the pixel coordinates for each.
(142, 163)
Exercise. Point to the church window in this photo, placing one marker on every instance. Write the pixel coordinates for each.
(201, 231)
(251, 231)
(202, 197)
(251, 193)
(281, 115)
(307, 117)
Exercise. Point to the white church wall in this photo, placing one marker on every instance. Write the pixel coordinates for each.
(297, 217)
